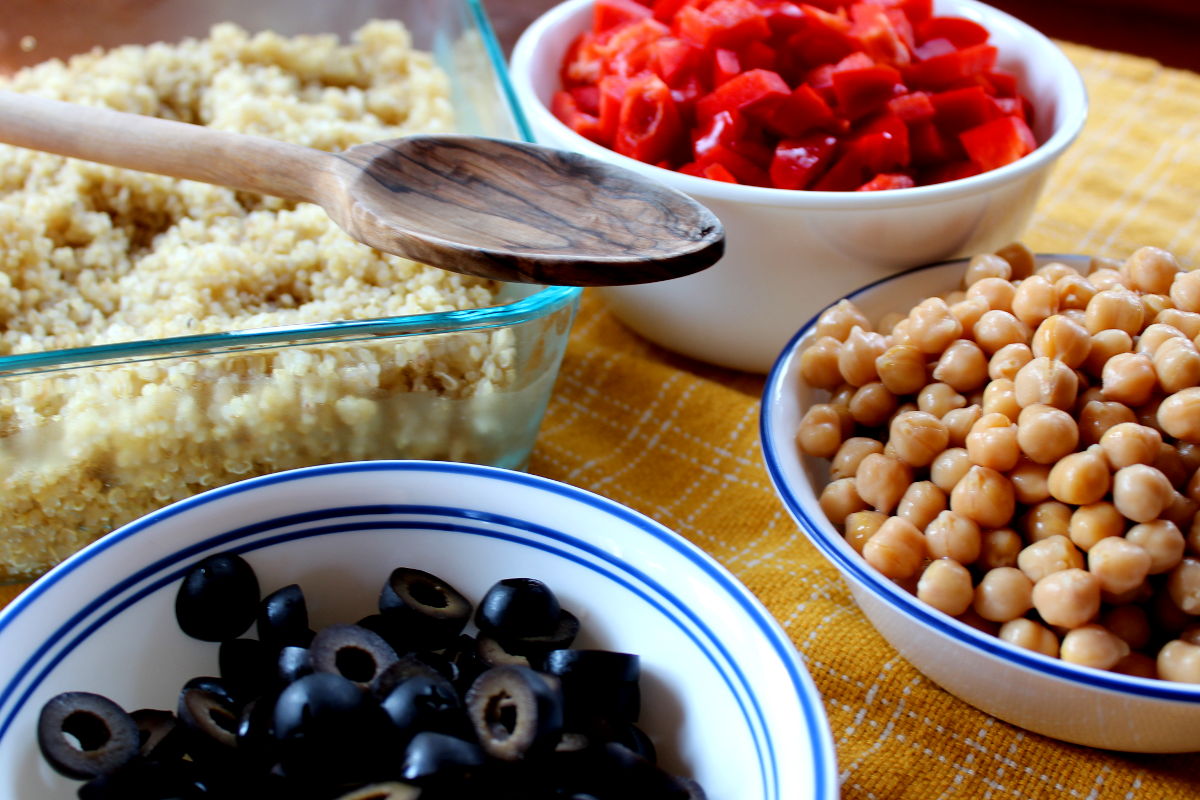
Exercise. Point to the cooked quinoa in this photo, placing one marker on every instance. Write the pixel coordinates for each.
(91, 254)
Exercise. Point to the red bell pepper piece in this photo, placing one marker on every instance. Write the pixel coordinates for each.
(801, 111)
(750, 89)
(612, 90)
(674, 60)
(758, 55)
(961, 32)
(959, 109)
(725, 66)
(912, 106)
(741, 166)
(798, 162)
(950, 171)
(887, 180)
(649, 127)
(608, 14)
(883, 144)
(886, 38)
(951, 69)
(862, 91)
(623, 49)
(564, 106)
(998, 142)
(722, 23)
(718, 172)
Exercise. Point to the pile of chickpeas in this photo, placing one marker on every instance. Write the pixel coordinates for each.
(1024, 453)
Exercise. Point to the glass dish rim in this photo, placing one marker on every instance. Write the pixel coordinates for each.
(540, 303)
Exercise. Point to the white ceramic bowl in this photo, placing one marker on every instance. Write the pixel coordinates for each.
(726, 697)
(789, 252)
(1045, 695)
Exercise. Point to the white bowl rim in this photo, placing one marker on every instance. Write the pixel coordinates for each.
(1075, 109)
(826, 539)
(822, 757)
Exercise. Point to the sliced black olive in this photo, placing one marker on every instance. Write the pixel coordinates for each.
(83, 735)
(384, 791)
(430, 611)
(635, 777)
(245, 667)
(409, 665)
(293, 663)
(535, 647)
(211, 718)
(492, 653)
(211, 684)
(355, 653)
(255, 734)
(605, 666)
(599, 686)
(327, 727)
(635, 739)
(439, 758)
(160, 734)
(146, 779)
(283, 618)
(516, 712)
(218, 598)
(390, 629)
(518, 607)
(426, 703)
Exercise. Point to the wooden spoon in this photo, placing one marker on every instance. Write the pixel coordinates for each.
(495, 208)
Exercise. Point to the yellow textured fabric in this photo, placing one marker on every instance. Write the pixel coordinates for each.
(679, 441)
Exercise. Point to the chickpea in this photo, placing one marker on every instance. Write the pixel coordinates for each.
(1020, 259)
(1154, 335)
(1046, 381)
(1093, 523)
(1079, 478)
(1185, 291)
(1141, 492)
(1106, 278)
(1183, 584)
(997, 293)
(1003, 594)
(1074, 291)
(1115, 308)
(872, 404)
(939, 399)
(1030, 635)
(963, 366)
(1035, 300)
(1046, 519)
(901, 331)
(986, 265)
(986, 627)
(1000, 397)
(1181, 511)
(1068, 598)
(839, 319)
(968, 311)
(901, 368)
(1162, 540)
(1177, 363)
(954, 296)
(1189, 454)
(839, 499)
(1092, 646)
(1129, 378)
(992, 443)
(1030, 482)
(1129, 622)
(819, 363)
(1188, 322)
(951, 535)
(1054, 271)
(959, 421)
(860, 526)
(842, 395)
(1151, 270)
(1008, 360)
(997, 328)
(1106, 344)
(1137, 665)
(820, 431)
(933, 326)
(1154, 304)
(1063, 340)
(1179, 415)
(1119, 564)
(850, 455)
(946, 585)
(921, 503)
(918, 437)
(999, 548)
(1170, 463)
(888, 321)
(1179, 661)
(856, 358)
(882, 480)
(1129, 443)
(1045, 434)
(1048, 555)
(897, 549)
(985, 496)
(1096, 417)
(949, 467)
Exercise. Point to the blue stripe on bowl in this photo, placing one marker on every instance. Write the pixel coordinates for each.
(820, 534)
(821, 744)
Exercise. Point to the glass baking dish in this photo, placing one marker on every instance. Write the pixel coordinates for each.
(135, 425)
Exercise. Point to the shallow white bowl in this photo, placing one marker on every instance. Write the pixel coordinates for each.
(726, 697)
(1045, 695)
(789, 252)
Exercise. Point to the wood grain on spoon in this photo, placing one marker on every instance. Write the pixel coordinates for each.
(495, 208)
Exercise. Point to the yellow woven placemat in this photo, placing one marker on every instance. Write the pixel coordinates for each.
(679, 441)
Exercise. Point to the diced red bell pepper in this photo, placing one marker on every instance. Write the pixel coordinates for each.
(623, 49)
(862, 91)
(887, 180)
(1002, 83)
(950, 171)
(612, 89)
(741, 166)
(674, 60)
(951, 69)
(725, 128)
(725, 66)
(960, 31)
(718, 172)
(928, 146)
(883, 37)
(959, 109)
(912, 106)
(608, 14)
(823, 39)
(801, 111)
(722, 23)
(998, 142)
(564, 106)
(758, 55)
(799, 161)
(587, 99)
(649, 126)
(883, 144)
(744, 92)
(665, 10)
(916, 10)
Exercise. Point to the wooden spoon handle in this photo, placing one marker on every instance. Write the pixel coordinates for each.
(177, 149)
